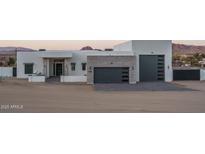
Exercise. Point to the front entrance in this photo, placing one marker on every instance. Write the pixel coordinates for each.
(59, 69)
(54, 68)
(57, 72)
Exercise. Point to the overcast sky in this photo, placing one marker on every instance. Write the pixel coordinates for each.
(77, 44)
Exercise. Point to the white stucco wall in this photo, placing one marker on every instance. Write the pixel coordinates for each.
(36, 79)
(150, 47)
(28, 57)
(73, 79)
(202, 74)
(6, 71)
(126, 46)
(155, 47)
(78, 58)
(36, 58)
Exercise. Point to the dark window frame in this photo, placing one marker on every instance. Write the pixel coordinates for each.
(28, 70)
(73, 66)
(84, 66)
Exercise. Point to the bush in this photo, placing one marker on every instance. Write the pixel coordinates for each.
(12, 61)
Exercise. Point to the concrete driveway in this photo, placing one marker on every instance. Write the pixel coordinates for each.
(142, 86)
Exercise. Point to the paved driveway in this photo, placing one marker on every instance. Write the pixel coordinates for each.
(142, 86)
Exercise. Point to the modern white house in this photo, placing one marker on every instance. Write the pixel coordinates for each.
(130, 62)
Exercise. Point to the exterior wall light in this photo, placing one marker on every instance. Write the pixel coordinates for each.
(90, 69)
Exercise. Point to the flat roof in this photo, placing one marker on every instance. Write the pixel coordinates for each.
(55, 54)
(71, 53)
(112, 53)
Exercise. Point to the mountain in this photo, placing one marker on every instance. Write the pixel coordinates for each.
(13, 50)
(176, 48)
(187, 49)
(86, 48)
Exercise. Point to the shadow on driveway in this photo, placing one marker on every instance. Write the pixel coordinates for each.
(142, 86)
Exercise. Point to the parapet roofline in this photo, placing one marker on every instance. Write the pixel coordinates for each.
(53, 54)
(113, 53)
(69, 53)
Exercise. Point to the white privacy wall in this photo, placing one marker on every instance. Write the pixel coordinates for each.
(6, 71)
(28, 57)
(36, 79)
(202, 74)
(73, 79)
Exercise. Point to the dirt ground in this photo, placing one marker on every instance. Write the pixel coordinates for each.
(21, 96)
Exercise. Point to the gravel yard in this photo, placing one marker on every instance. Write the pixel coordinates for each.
(21, 96)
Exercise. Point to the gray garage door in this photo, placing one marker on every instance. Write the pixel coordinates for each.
(111, 75)
(151, 67)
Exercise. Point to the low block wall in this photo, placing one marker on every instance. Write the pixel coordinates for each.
(202, 74)
(73, 79)
(6, 71)
(36, 79)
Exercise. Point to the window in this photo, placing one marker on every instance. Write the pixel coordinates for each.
(28, 68)
(83, 66)
(73, 66)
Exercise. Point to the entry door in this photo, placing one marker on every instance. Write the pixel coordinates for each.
(59, 69)
(151, 67)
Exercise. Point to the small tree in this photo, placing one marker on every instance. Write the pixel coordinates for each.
(198, 56)
(12, 61)
(203, 55)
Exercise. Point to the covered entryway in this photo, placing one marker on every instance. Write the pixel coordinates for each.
(55, 67)
(58, 67)
(186, 74)
(55, 63)
(111, 75)
(151, 67)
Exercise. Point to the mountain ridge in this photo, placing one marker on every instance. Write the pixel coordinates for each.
(187, 49)
(176, 49)
(13, 50)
